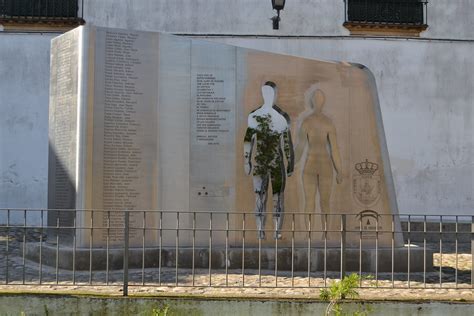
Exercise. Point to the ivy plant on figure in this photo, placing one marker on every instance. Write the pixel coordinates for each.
(268, 137)
(268, 141)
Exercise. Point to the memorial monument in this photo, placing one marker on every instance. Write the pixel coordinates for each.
(150, 121)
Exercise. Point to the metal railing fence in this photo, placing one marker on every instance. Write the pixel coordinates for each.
(220, 249)
(41, 10)
(387, 11)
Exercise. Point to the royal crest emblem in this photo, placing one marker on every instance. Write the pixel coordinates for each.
(366, 184)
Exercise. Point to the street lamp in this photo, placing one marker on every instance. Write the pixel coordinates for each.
(277, 5)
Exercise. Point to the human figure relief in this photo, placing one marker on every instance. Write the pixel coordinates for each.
(268, 141)
(317, 133)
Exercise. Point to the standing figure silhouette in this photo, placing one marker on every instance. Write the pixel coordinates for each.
(317, 133)
(268, 141)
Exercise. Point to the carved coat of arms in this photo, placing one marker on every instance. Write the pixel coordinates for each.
(366, 184)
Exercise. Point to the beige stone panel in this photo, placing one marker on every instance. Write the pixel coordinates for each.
(349, 108)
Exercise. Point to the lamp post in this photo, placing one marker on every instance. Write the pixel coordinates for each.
(277, 5)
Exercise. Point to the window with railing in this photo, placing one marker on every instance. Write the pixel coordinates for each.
(387, 14)
(40, 11)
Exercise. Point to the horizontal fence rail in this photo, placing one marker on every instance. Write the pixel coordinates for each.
(41, 10)
(226, 250)
(387, 11)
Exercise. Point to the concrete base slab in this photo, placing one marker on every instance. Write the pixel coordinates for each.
(371, 260)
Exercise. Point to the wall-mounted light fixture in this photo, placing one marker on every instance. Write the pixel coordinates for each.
(277, 5)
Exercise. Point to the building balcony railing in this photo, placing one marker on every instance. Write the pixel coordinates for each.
(64, 12)
(396, 12)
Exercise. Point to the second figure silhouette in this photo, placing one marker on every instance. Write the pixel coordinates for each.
(317, 133)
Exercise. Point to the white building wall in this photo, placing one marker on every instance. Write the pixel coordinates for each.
(425, 87)
(446, 18)
(24, 95)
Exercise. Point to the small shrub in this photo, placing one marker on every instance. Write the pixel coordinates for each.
(163, 311)
(341, 290)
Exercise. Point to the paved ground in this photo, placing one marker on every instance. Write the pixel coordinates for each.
(453, 282)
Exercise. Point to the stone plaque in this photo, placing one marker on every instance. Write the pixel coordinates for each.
(212, 158)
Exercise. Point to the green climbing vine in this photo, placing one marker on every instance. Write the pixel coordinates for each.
(268, 144)
(267, 157)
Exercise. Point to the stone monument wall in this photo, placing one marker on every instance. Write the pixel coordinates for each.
(149, 121)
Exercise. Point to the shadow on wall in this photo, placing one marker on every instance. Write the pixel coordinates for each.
(61, 195)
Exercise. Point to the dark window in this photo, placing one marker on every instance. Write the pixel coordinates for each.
(387, 11)
(39, 10)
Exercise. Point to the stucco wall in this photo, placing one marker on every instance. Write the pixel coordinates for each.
(24, 94)
(218, 16)
(446, 18)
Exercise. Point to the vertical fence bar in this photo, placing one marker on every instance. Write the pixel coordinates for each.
(40, 264)
(293, 250)
(7, 247)
(366, 15)
(60, 9)
(160, 247)
(343, 246)
(74, 221)
(426, 12)
(393, 251)
(259, 260)
(360, 251)
(243, 250)
(57, 247)
(24, 247)
(345, 11)
(107, 241)
(472, 252)
(377, 251)
(309, 250)
(276, 261)
(91, 239)
(10, 6)
(227, 249)
(194, 249)
(325, 248)
(177, 249)
(424, 251)
(409, 246)
(143, 247)
(210, 249)
(456, 250)
(441, 251)
(125, 252)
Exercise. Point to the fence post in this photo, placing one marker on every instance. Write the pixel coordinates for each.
(343, 246)
(125, 253)
(472, 252)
